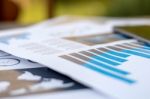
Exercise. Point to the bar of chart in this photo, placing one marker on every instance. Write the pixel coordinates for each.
(106, 60)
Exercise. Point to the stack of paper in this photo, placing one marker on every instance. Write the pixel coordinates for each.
(108, 65)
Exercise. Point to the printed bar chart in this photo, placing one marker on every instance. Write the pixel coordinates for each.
(106, 60)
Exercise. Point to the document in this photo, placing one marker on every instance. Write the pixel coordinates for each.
(89, 53)
(21, 78)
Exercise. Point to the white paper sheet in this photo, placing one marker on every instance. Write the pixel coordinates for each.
(20, 78)
(121, 74)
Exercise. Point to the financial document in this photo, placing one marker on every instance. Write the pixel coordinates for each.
(90, 53)
(20, 78)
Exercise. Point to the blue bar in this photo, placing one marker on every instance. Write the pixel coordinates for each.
(136, 53)
(105, 60)
(146, 47)
(142, 50)
(126, 80)
(118, 54)
(113, 57)
(108, 67)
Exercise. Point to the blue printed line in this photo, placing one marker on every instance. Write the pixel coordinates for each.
(118, 54)
(113, 57)
(142, 50)
(146, 47)
(126, 80)
(136, 53)
(108, 67)
(98, 57)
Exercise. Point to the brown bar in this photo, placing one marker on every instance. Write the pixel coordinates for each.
(103, 49)
(86, 53)
(80, 56)
(133, 46)
(72, 59)
(95, 51)
(124, 46)
(114, 48)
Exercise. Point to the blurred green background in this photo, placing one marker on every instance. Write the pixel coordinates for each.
(104, 7)
(32, 11)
